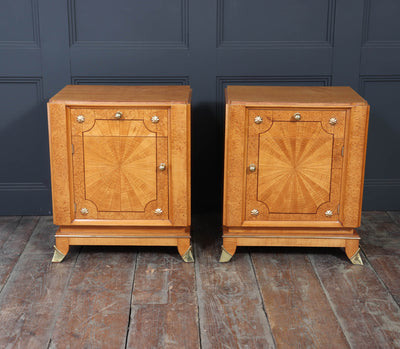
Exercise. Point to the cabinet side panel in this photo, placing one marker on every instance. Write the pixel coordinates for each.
(179, 166)
(60, 169)
(235, 143)
(354, 167)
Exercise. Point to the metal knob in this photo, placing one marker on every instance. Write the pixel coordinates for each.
(118, 115)
(297, 116)
(158, 211)
(80, 118)
(258, 119)
(155, 119)
(254, 212)
(329, 213)
(162, 166)
(84, 211)
(252, 168)
(332, 121)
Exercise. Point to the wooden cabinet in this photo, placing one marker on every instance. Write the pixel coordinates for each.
(120, 166)
(294, 167)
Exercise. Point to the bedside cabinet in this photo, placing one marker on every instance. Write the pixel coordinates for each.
(294, 167)
(120, 166)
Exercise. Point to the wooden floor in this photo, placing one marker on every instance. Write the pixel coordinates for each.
(112, 297)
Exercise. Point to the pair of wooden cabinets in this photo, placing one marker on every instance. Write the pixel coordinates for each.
(294, 166)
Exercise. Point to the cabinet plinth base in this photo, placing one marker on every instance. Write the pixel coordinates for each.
(348, 239)
(122, 236)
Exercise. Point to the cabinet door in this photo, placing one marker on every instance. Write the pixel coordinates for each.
(120, 163)
(294, 164)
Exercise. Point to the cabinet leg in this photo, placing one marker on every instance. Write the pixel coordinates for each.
(185, 250)
(228, 250)
(61, 249)
(353, 251)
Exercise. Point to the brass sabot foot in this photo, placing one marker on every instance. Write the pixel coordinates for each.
(225, 256)
(188, 255)
(356, 259)
(58, 255)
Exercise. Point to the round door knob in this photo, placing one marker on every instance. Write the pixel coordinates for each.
(254, 212)
(158, 211)
(84, 211)
(329, 213)
(155, 119)
(80, 118)
(332, 121)
(118, 115)
(258, 119)
(162, 166)
(297, 116)
(252, 168)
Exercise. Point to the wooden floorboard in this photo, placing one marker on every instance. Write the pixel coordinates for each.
(164, 304)
(230, 305)
(297, 307)
(380, 234)
(15, 233)
(147, 297)
(366, 311)
(30, 300)
(95, 309)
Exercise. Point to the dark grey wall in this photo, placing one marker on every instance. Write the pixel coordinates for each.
(46, 44)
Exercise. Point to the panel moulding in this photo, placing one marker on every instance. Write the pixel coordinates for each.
(23, 186)
(223, 81)
(35, 43)
(328, 42)
(364, 79)
(25, 80)
(182, 43)
(365, 32)
(129, 80)
(382, 182)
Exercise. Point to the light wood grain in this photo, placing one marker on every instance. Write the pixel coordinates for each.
(96, 94)
(61, 169)
(106, 170)
(308, 171)
(234, 173)
(354, 166)
(179, 167)
(292, 95)
(294, 172)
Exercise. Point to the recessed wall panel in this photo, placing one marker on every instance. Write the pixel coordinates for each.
(128, 22)
(381, 23)
(19, 23)
(284, 22)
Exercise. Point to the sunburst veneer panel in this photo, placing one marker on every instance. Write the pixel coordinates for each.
(119, 128)
(295, 161)
(120, 172)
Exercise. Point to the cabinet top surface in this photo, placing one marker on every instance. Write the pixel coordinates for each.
(103, 95)
(293, 95)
